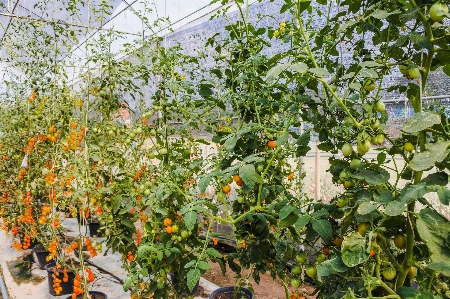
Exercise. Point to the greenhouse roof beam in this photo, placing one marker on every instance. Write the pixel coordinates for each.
(83, 42)
(9, 23)
(59, 22)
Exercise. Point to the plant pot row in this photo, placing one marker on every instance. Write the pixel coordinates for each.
(67, 287)
(41, 255)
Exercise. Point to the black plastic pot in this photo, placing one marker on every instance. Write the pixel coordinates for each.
(93, 229)
(79, 218)
(67, 287)
(41, 257)
(175, 282)
(231, 291)
(94, 295)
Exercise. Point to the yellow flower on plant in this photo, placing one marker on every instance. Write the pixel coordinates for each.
(282, 25)
(276, 33)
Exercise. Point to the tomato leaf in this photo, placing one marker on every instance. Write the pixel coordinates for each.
(373, 177)
(193, 276)
(333, 265)
(385, 197)
(412, 192)
(354, 250)
(126, 221)
(319, 72)
(204, 181)
(248, 174)
(434, 230)
(282, 139)
(368, 73)
(299, 67)
(230, 143)
(301, 222)
(204, 265)
(213, 252)
(323, 228)
(438, 178)
(273, 73)
(444, 195)
(382, 14)
(409, 14)
(288, 220)
(285, 211)
(116, 201)
(435, 152)
(190, 218)
(421, 121)
(394, 208)
(205, 92)
(366, 208)
(420, 40)
(369, 63)
(442, 267)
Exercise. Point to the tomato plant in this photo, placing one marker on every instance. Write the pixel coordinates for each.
(110, 151)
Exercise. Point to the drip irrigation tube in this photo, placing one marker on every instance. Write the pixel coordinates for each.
(94, 265)
(3, 287)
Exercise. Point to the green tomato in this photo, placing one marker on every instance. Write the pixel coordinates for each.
(320, 258)
(151, 155)
(380, 139)
(240, 199)
(139, 130)
(389, 273)
(348, 184)
(362, 228)
(342, 202)
(163, 151)
(333, 79)
(403, 69)
(354, 164)
(369, 84)
(296, 270)
(414, 73)
(184, 234)
(409, 147)
(437, 11)
(147, 192)
(379, 106)
(153, 132)
(295, 282)
(174, 229)
(311, 271)
(260, 168)
(344, 174)
(347, 149)
(363, 147)
(333, 87)
(301, 257)
(148, 184)
(400, 241)
(375, 124)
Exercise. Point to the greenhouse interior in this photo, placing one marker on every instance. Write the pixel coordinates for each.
(225, 149)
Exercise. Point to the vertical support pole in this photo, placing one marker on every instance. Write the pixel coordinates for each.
(302, 163)
(317, 172)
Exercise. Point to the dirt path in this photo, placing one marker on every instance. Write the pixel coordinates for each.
(267, 288)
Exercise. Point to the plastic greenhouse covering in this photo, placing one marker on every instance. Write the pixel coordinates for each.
(85, 22)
